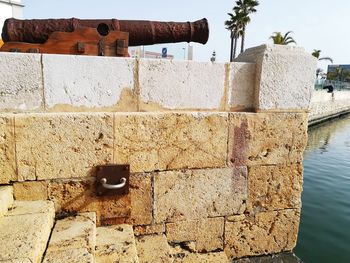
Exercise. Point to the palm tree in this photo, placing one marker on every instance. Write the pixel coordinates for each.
(245, 8)
(234, 25)
(280, 39)
(317, 53)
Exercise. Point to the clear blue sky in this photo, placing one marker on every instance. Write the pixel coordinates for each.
(317, 24)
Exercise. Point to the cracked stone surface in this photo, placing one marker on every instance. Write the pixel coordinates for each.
(8, 168)
(263, 233)
(197, 194)
(167, 141)
(63, 145)
(116, 244)
(74, 232)
(267, 138)
(274, 187)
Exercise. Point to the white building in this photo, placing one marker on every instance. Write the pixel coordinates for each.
(10, 8)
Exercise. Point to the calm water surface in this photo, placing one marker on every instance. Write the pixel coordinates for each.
(324, 235)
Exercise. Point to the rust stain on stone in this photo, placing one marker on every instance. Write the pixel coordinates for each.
(240, 141)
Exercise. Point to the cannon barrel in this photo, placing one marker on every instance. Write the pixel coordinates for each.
(140, 32)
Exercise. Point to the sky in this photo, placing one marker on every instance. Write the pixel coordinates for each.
(316, 24)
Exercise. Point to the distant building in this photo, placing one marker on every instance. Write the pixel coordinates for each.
(339, 73)
(141, 53)
(8, 9)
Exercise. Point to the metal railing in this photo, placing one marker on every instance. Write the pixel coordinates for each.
(337, 85)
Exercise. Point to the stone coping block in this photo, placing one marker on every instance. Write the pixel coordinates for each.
(197, 194)
(8, 168)
(21, 85)
(261, 234)
(31, 207)
(267, 138)
(241, 86)
(171, 84)
(169, 141)
(89, 82)
(25, 236)
(285, 76)
(61, 83)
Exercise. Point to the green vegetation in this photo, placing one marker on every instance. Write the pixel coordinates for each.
(238, 22)
(280, 39)
(317, 53)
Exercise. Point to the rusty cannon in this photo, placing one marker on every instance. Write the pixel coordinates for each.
(101, 37)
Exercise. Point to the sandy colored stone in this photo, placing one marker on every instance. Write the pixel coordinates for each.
(274, 187)
(17, 260)
(166, 141)
(218, 257)
(80, 196)
(8, 168)
(74, 232)
(197, 235)
(149, 229)
(267, 138)
(197, 194)
(31, 191)
(65, 145)
(31, 207)
(6, 199)
(78, 255)
(116, 244)
(21, 81)
(25, 236)
(263, 233)
(153, 249)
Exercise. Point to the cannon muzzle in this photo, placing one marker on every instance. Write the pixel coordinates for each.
(140, 32)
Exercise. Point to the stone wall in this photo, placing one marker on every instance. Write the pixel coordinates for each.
(326, 105)
(215, 150)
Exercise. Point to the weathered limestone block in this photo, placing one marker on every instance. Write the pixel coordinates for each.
(274, 187)
(31, 207)
(80, 196)
(25, 236)
(153, 248)
(267, 138)
(88, 83)
(20, 82)
(196, 194)
(166, 141)
(77, 255)
(203, 235)
(50, 146)
(17, 260)
(31, 191)
(74, 232)
(6, 199)
(149, 229)
(241, 86)
(263, 233)
(115, 244)
(8, 169)
(285, 76)
(166, 84)
(218, 257)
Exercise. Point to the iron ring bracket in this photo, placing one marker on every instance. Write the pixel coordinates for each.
(122, 183)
